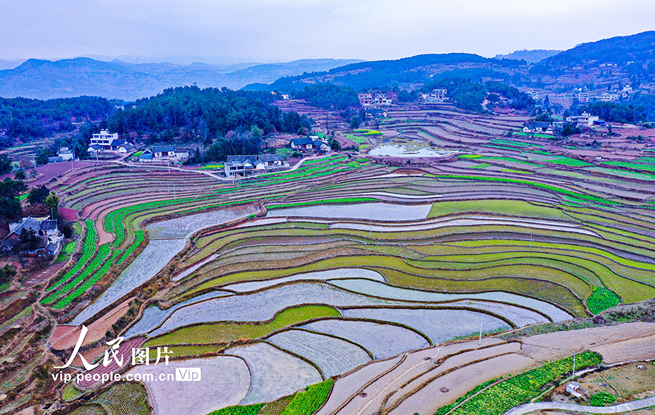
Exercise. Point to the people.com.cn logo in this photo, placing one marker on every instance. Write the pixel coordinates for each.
(187, 374)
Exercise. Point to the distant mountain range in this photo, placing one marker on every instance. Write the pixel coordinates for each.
(634, 55)
(413, 70)
(45, 79)
(530, 56)
(620, 50)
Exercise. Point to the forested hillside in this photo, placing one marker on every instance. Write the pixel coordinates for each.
(25, 119)
(634, 50)
(415, 69)
(192, 113)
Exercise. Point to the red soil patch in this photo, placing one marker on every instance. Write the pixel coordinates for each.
(68, 214)
(89, 356)
(103, 236)
(65, 336)
(51, 171)
(61, 331)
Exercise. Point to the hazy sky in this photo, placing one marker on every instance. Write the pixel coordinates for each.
(283, 30)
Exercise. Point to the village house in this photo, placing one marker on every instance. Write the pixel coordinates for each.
(321, 145)
(574, 389)
(240, 165)
(108, 142)
(43, 227)
(248, 164)
(585, 119)
(376, 113)
(126, 148)
(104, 139)
(437, 96)
(94, 148)
(271, 161)
(163, 154)
(377, 98)
(66, 154)
(302, 144)
(538, 127)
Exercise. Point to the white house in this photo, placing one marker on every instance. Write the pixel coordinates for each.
(244, 165)
(66, 154)
(126, 148)
(437, 96)
(240, 165)
(538, 127)
(104, 139)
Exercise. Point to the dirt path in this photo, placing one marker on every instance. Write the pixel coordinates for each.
(205, 172)
(616, 409)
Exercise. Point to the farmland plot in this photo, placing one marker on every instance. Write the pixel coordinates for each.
(385, 291)
(443, 223)
(274, 372)
(263, 305)
(438, 325)
(153, 315)
(149, 262)
(382, 340)
(185, 226)
(341, 273)
(224, 381)
(375, 211)
(333, 356)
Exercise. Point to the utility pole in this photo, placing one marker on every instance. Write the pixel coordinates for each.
(530, 239)
(573, 376)
(480, 336)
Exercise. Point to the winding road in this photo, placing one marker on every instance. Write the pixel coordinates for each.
(616, 409)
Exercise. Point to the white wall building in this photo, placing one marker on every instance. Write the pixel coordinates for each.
(104, 138)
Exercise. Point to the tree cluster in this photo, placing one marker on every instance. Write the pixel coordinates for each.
(329, 96)
(192, 113)
(468, 95)
(613, 112)
(32, 118)
(9, 204)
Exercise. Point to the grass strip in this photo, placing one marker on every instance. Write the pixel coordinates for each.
(308, 401)
(138, 238)
(88, 283)
(88, 251)
(101, 256)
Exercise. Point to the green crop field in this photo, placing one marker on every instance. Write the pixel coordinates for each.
(226, 332)
(567, 161)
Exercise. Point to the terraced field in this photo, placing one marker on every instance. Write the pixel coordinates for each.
(353, 270)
